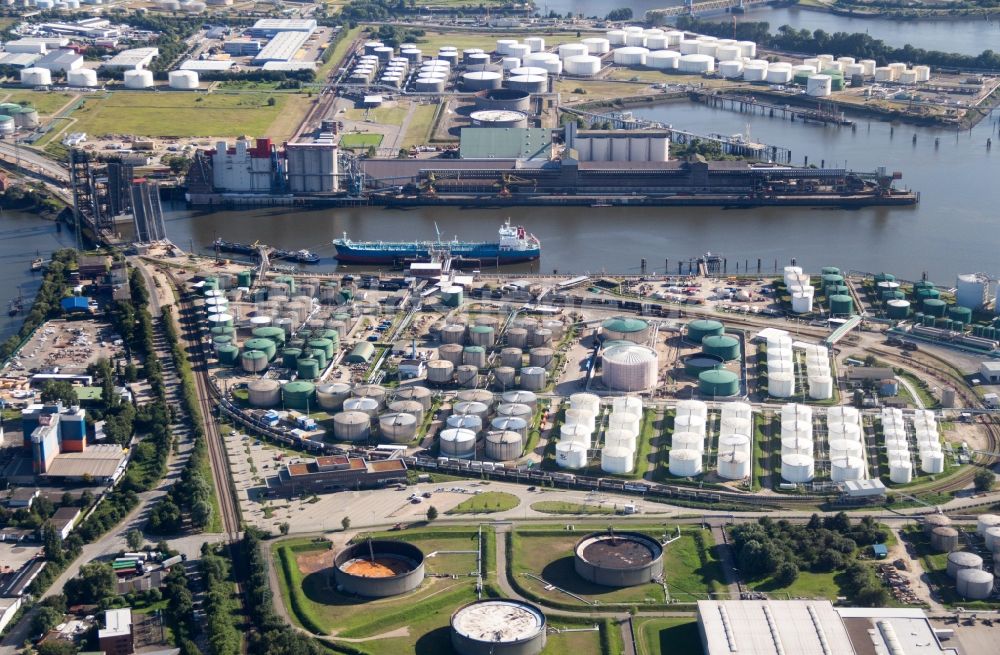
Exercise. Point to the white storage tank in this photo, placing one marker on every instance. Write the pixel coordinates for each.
(503, 46)
(728, 53)
(884, 74)
(923, 73)
(674, 37)
(755, 70)
(596, 45)
(629, 367)
(869, 66)
(797, 469)
(781, 385)
(657, 41)
(456, 442)
(685, 463)
(974, 584)
(567, 50)
(580, 417)
(747, 49)
(897, 69)
(536, 43)
(843, 469)
(621, 438)
(635, 39)
(36, 77)
(688, 46)
(709, 48)
(688, 441)
(663, 59)
(138, 79)
(908, 77)
(183, 80)
(82, 78)
(840, 448)
(986, 521)
(779, 73)
(588, 402)
(627, 405)
(616, 37)
(820, 387)
(519, 50)
(961, 560)
(696, 63)
(584, 65)
(510, 63)
(571, 455)
(617, 460)
(367, 405)
(503, 446)
(734, 465)
(931, 462)
(731, 69)
(628, 422)
(900, 470)
(991, 537)
(734, 442)
(630, 56)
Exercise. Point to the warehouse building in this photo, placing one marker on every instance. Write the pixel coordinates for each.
(289, 66)
(990, 372)
(37, 46)
(60, 61)
(506, 143)
(283, 47)
(245, 168)
(618, 145)
(814, 627)
(242, 47)
(339, 472)
(19, 59)
(267, 28)
(132, 59)
(206, 65)
(312, 167)
(57, 439)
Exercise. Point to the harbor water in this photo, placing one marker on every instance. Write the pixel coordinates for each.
(952, 230)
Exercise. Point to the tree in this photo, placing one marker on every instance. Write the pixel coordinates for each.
(615, 15)
(432, 513)
(345, 523)
(284, 528)
(134, 539)
(786, 574)
(59, 391)
(53, 543)
(984, 480)
(45, 619)
(57, 647)
(95, 581)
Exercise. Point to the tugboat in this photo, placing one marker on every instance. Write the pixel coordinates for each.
(299, 256)
(37, 264)
(514, 245)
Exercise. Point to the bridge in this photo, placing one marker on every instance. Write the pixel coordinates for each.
(691, 8)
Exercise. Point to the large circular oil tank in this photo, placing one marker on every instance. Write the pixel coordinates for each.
(932, 521)
(960, 560)
(974, 584)
(495, 627)
(503, 100)
(264, 393)
(618, 559)
(377, 569)
(722, 345)
(533, 378)
(397, 427)
(498, 118)
(415, 393)
(718, 384)
(351, 426)
(701, 328)
(440, 371)
(503, 446)
(944, 539)
(331, 397)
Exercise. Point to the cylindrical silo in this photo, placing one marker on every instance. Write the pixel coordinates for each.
(458, 443)
(440, 371)
(467, 376)
(685, 463)
(503, 446)
(398, 427)
(351, 426)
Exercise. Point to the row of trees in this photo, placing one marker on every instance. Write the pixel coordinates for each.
(839, 44)
(220, 604)
(781, 550)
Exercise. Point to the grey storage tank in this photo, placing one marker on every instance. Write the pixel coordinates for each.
(532, 378)
(504, 376)
(498, 627)
(503, 446)
(331, 397)
(398, 427)
(618, 559)
(378, 569)
(467, 376)
(504, 99)
(974, 584)
(351, 426)
(416, 393)
(512, 357)
(944, 539)
(496, 117)
(960, 560)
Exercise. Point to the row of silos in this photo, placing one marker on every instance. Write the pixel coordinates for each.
(798, 464)
(897, 446)
(845, 444)
(818, 373)
(576, 434)
(687, 443)
(780, 366)
(735, 441)
(800, 289)
(622, 436)
(928, 441)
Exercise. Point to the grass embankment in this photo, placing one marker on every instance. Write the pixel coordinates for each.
(691, 571)
(46, 102)
(562, 507)
(380, 115)
(275, 115)
(673, 635)
(418, 132)
(489, 502)
(361, 141)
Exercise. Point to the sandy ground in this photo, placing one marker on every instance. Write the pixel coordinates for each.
(312, 562)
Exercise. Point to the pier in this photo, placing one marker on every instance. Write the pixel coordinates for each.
(751, 105)
(691, 8)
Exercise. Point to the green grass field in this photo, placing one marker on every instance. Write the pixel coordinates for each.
(691, 572)
(673, 635)
(381, 115)
(561, 507)
(46, 102)
(489, 502)
(418, 131)
(315, 604)
(192, 114)
(360, 141)
(807, 585)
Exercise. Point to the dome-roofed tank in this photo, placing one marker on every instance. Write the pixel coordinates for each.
(299, 395)
(699, 329)
(503, 446)
(721, 345)
(331, 397)
(351, 426)
(718, 384)
(630, 367)
(623, 328)
(960, 560)
(973, 584)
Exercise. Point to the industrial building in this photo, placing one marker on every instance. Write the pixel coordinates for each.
(340, 472)
(283, 47)
(289, 66)
(269, 27)
(206, 65)
(133, 59)
(19, 59)
(990, 372)
(36, 46)
(57, 439)
(116, 636)
(813, 627)
(506, 143)
(618, 145)
(241, 47)
(243, 168)
(312, 167)
(60, 61)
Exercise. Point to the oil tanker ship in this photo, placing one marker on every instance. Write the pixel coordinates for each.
(514, 245)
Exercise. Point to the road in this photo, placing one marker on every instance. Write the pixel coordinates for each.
(912, 391)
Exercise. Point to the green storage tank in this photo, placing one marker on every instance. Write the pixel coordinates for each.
(451, 296)
(935, 307)
(228, 354)
(990, 333)
(290, 357)
(893, 295)
(265, 346)
(927, 292)
(722, 345)
(977, 330)
(244, 278)
(273, 333)
(346, 295)
(718, 383)
(918, 317)
(220, 330)
(319, 356)
(289, 280)
(928, 320)
(833, 280)
(698, 330)
(960, 314)
(308, 368)
(897, 309)
(326, 345)
(841, 305)
(330, 334)
(958, 326)
(801, 79)
(830, 270)
(298, 395)
(342, 316)
(942, 323)
(695, 365)
(222, 340)
(211, 284)
(884, 277)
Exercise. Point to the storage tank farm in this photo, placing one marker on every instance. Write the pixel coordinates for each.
(687, 448)
(735, 441)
